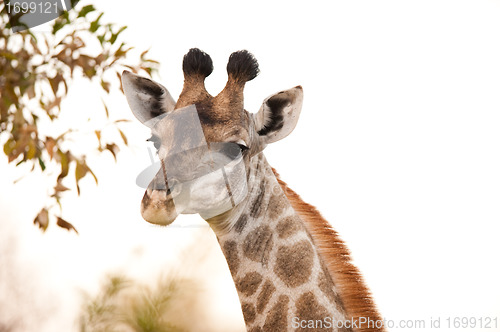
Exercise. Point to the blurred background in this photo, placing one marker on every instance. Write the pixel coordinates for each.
(398, 145)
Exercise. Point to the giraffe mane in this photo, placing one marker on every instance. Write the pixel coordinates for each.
(355, 295)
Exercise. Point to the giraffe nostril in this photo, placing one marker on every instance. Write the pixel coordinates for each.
(171, 186)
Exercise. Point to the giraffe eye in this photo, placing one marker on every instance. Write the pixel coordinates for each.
(243, 147)
(231, 150)
(156, 141)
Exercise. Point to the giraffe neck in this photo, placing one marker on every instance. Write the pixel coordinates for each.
(280, 277)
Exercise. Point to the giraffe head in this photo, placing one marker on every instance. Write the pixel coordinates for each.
(205, 143)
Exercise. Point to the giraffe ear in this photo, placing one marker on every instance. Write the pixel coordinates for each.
(279, 114)
(147, 99)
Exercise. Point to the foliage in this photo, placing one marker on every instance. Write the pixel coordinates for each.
(36, 73)
(123, 305)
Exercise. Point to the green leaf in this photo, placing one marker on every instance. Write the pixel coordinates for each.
(152, 61)
(85, 10)
(42, 164)
(120, 52)
(114, 36)
(90, 72)
(60, 22)
(143, 54)
(121, 29)
(94, 25)
(8, 147)
(101, 38)
(32, 150)
(64, 159)
(80, 171)
(105, 85)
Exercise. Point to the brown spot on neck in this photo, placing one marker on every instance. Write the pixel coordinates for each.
(249, 283)
(241, 223)
(309, 310)
(265, 295)
(294, 263)
(248, 312)
(257, 244)
(230, 250)
(288, 226)
(256, 206)
(277, 204)
(277, 317)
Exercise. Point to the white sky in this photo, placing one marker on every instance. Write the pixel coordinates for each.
(397, 145)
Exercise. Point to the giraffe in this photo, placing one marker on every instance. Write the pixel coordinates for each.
(291, 270)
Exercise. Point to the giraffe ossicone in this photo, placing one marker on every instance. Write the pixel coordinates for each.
(288, 265)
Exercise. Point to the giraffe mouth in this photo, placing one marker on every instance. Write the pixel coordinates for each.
(158, 208)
